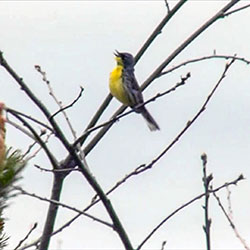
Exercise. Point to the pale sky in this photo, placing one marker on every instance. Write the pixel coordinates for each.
(74, 43)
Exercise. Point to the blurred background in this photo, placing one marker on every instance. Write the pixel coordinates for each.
(74, 41)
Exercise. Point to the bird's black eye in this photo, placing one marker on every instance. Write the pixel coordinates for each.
(124, 57)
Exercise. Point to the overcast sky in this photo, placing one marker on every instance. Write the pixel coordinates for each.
(74, 43)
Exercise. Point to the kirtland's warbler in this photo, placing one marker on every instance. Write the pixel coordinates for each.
(124, 87)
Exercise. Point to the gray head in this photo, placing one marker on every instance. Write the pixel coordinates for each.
(124, 59)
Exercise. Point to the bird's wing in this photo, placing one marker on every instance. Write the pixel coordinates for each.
(132, 88)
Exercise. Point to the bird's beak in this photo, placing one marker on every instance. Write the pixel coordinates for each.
(117, 53)
(118, 57)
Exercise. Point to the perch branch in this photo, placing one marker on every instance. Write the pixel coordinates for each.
(235, 182)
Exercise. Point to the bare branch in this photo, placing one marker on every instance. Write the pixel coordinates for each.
(161, 67)
(59, 103)
(32, 96)
(26, 237)
(230, 211)
(189, 123)
(71, 104)
(206, 182)
(243, 242)
(72, 150)
(118, 117)
(139, 54)
(167, 5)
(141, 168)
(34, 154)
(158, 29)
(22, 191)
(94, 201)
(236, 10)
(56, 170)
(23, 130)
(38, 139)
(52, 211)
(226, 57)
(9, 110)
(58, 179)
(62, 110)
(144, 167)
(32, 145)
(163, 245)
(235, 182)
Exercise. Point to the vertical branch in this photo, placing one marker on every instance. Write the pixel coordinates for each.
(52, 212)
(57, 188)
(241, 177)
(206, 180)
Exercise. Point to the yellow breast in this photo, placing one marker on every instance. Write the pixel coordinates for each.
(116, 86)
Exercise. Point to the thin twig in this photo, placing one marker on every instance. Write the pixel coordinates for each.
(152, 99)
(236, 10)
(226, 57)
(94, 201)
(23, 130)
(30, 118)
(56, 170)
(206, 182)
(144, 167)
(233, 2)
(33, 97)
(59, 103)
(230, 211)
(92, 182)
(62, 110)
(158, 29)
(139, 54)
(235, 182)
(22, 191)
(26, 237)
(71, 104)
(243, 242)
(167, 5)
(32, 145)
(58, 179)
(161, 67)
(34, 154)
(38, 139)
(163, 244)
(189, 123)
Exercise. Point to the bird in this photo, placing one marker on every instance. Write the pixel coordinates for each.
(124, 87)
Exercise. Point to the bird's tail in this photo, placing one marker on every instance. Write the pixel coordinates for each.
(152, 124)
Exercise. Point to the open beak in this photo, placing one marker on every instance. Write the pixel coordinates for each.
(117, 53)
